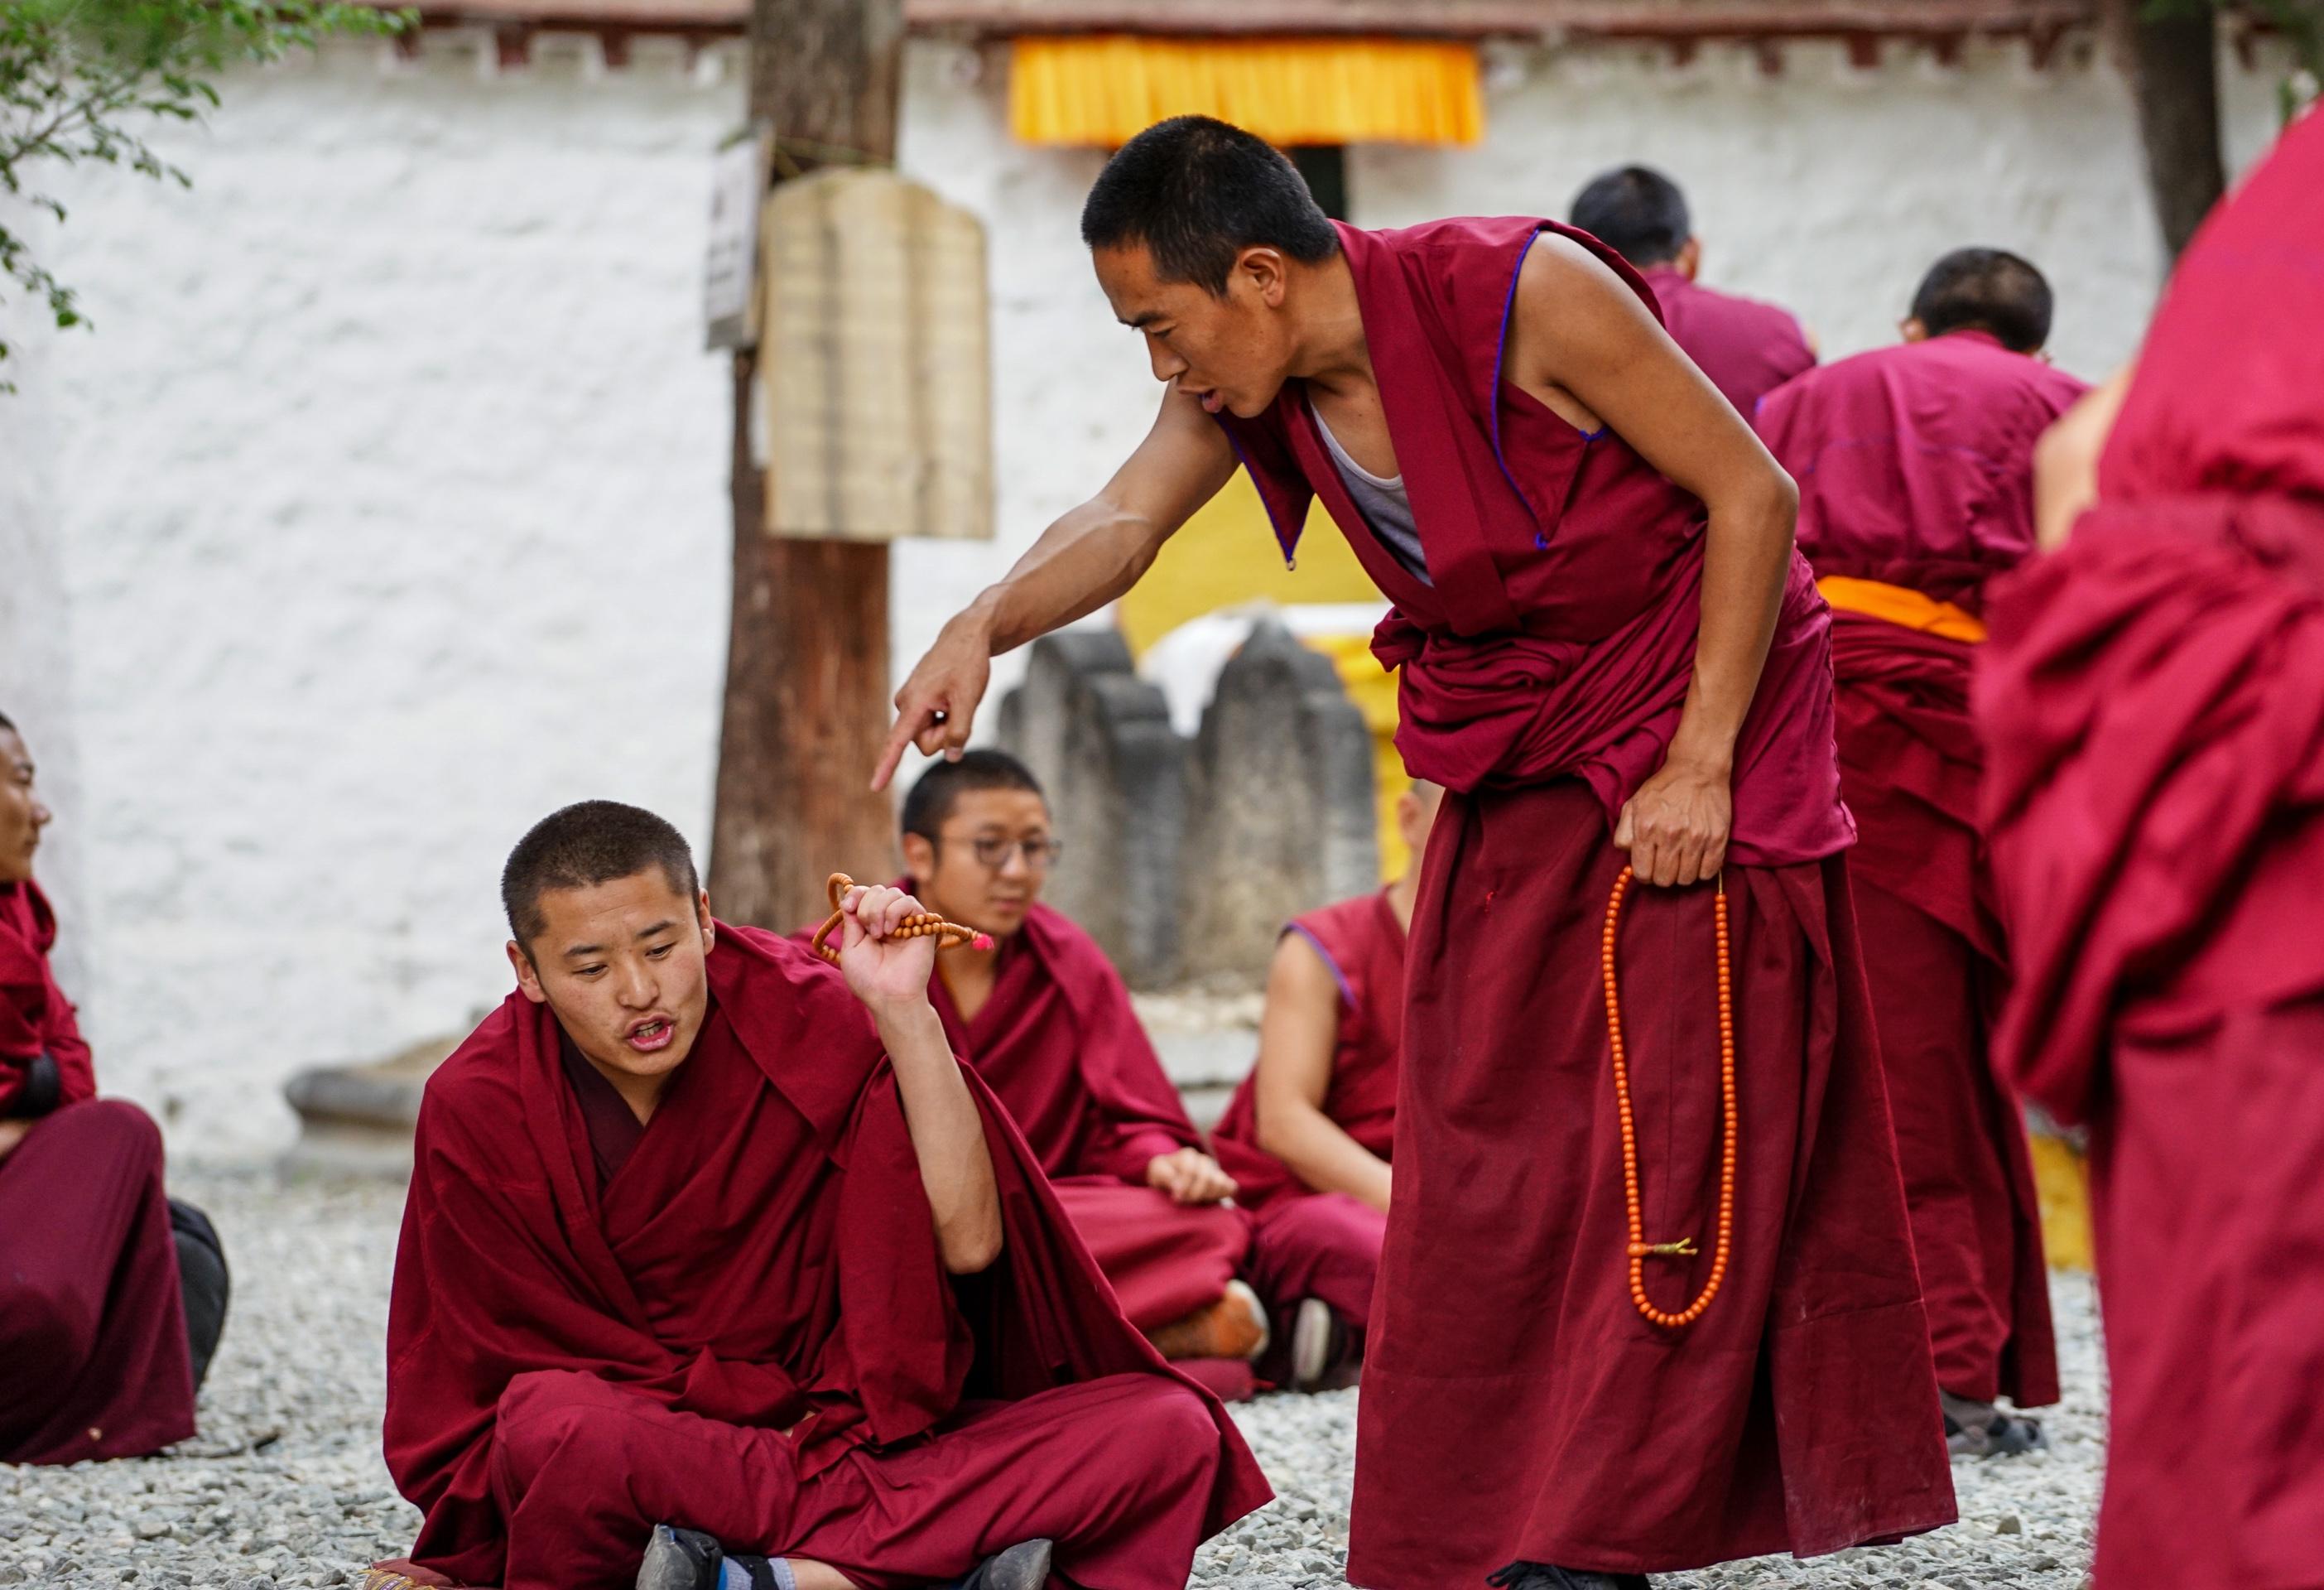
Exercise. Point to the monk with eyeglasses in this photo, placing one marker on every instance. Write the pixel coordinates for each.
(1046, 1022)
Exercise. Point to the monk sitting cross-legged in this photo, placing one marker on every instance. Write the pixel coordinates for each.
(111, 1296)
(710, 1282)
(1916, 466)
(1046, 1021)
(1309, 1134)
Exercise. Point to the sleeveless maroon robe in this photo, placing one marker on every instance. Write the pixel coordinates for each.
(1748, 348)
(2155, 734)
(1327, 1245)
(1515, 1404)
(747, 1327)
(1059, 1044)
(93, 1360)
(1915, 468)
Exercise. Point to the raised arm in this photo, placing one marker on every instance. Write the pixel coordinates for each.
(890, 976)
(1297, 1034)
(1089, 556)
(1586, 344)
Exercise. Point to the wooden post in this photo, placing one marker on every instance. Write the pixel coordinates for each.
(807, 705)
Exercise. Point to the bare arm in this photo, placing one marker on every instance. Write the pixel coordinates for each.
(890, 976)
(2066, 460)
(1589, 348)
(1089, 556)
(1297, 1036)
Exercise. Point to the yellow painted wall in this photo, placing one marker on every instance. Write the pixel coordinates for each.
(1226, 556)
(2063, 1181)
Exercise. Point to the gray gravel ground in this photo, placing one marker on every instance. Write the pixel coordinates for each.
(284, 1487)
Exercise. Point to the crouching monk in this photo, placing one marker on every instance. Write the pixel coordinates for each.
(111, 1299)
(708, 1282)
(1611, 658)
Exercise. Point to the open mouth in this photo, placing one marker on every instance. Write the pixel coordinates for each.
(649, 1036)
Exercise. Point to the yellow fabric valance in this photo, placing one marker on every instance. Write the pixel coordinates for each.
(1103, 89)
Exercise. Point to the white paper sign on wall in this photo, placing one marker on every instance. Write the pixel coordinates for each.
(729, 269)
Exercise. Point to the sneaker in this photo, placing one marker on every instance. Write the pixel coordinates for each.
(688, 1559)
(1318, 1340)
(1235, 1326)
(1023, 1566)
(1542, 1576)
(1979, 1429)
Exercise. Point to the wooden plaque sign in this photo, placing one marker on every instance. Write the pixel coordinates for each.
(873, 360)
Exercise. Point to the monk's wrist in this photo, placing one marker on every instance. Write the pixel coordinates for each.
(910, 1028)
(1707, 755)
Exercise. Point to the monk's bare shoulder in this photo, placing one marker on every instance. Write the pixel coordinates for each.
(1575, 323)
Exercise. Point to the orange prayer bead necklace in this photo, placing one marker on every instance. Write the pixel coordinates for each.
(949, 935)
(1640, 1249)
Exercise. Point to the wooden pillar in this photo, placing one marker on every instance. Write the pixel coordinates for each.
(807, 706)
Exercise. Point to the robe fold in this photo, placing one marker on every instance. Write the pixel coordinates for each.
(1515, 1404)
(748, 1328)
(1747, 348)
(1059, 1044)
(1915, 468)
(1317, 1244)
(94, 1359)
(2155, 725)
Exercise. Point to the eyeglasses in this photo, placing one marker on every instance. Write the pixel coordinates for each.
(993, 851)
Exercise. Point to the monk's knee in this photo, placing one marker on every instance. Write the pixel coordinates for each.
(553, 1418)
(110, 1131)
(48, 1334)
(1172, 1425)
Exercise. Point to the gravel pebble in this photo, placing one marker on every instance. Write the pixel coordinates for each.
(284, 1490)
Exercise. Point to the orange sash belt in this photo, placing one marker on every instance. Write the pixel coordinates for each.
(1903, 606)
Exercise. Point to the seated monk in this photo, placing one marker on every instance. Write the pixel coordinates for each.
(1747, 348)
(708, 1282)
(1309, 1133)
(111, 1299)
(1915, 467)
(1046, 1021)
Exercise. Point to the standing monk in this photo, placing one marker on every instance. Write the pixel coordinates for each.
(704, 1270)
(1310, 1135)
(1916, 466)
(1610, 657)
(1046, 1021)
(96, 1359)
(2153, 706)
(1747, 348)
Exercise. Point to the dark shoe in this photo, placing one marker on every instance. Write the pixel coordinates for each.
(1542, 1576)
(688, 1559)
(203, 1281)
(1979, 1429)
(1023, 1566)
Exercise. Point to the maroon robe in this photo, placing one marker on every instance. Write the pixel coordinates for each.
(1748, 348)
(1516, 1406)
(1327, 1245)
(1913, 462)
(2154, 726)
(748, 1329)
(94, 1361)
(1058, 1042)
(1915, 468)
